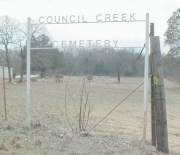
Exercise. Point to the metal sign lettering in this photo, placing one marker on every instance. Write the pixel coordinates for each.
(98, 18)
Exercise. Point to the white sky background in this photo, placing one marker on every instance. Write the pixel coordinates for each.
(130, 34)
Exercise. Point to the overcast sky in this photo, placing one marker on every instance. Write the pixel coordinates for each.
(130, 34)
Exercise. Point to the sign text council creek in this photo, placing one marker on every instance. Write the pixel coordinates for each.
(123, 17)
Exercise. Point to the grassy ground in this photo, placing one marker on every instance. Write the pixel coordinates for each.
(120, 133)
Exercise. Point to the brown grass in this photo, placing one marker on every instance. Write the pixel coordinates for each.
(54, 134)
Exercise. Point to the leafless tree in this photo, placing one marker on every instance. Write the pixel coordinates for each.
(8, 29)
(21, 36)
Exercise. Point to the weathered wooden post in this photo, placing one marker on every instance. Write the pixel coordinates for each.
(159, 96)
(153, 132)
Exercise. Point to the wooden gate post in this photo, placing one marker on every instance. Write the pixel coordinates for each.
(153, 130)
(159, 96)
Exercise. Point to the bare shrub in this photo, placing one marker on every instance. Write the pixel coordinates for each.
(89, 78)
(84, 108)
(3, 147)
(59, 78)
(82, 113)
(35, 124)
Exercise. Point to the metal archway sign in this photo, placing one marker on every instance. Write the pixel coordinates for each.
(99, 18)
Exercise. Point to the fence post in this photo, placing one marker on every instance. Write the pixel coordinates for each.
(4, 93)
(153, 130)
(159, 96)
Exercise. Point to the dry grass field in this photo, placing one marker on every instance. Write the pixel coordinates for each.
(119, 134)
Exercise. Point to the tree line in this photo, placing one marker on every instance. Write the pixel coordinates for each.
(97, 61)
(51, 61)
(91, 61)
